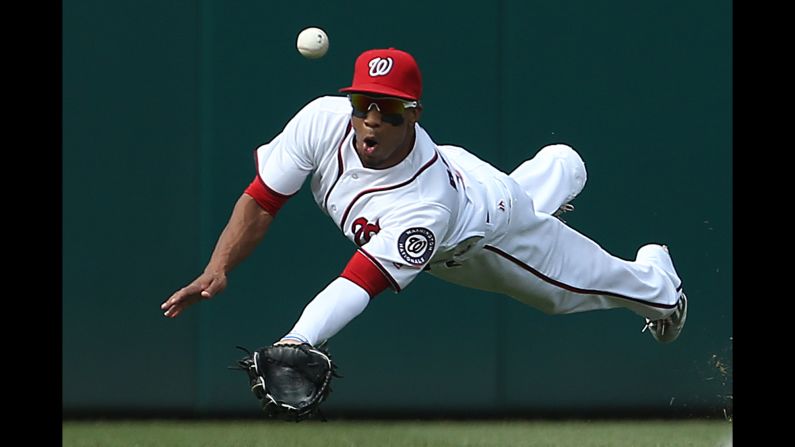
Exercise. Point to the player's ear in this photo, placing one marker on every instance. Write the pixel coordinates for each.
(414, 114)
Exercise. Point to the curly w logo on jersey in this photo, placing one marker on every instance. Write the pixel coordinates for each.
(416, 245)
(363, 230)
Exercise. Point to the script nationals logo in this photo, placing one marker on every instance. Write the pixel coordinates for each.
(363, 230)
(415, 245)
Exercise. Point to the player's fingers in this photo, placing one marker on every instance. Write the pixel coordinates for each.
(181, 294)
(173, 311)
(173, 299)
(176, 308)
(169, 302)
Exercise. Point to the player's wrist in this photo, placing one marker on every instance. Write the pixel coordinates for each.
(216, 269)
(292, 339)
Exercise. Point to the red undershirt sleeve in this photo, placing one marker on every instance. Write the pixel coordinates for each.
(270, 200)
(364, 273)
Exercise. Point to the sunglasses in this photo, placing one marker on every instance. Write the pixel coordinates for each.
(391, 108)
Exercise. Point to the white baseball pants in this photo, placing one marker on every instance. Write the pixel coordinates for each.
(544, 263)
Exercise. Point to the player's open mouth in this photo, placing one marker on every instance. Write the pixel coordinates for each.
(369, 144)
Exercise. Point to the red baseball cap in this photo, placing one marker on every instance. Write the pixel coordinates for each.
(386, 72)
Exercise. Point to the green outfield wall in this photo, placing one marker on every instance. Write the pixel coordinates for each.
(164, 102)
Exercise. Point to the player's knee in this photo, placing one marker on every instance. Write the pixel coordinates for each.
(573, 162)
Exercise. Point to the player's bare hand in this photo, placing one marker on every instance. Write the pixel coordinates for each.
(204, 287)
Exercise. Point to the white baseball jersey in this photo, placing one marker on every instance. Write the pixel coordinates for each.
(403, 217)
(444, 210)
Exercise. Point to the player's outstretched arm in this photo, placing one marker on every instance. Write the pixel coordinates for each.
(330, 311)
(246, 227)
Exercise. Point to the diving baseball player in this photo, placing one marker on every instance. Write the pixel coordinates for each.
(410, 205)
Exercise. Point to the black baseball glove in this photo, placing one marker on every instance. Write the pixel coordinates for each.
(290, 381)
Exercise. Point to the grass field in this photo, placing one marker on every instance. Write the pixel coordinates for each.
(396, 433)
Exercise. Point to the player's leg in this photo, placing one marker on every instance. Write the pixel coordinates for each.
(544, 263)
(552, 178)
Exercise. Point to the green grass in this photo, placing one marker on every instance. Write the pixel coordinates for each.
(396, 433)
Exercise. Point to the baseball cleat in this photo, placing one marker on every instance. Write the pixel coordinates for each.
(668, 329)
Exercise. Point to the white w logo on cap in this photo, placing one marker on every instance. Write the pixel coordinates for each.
(379, 66)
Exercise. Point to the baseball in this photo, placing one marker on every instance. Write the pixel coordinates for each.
(312, 43)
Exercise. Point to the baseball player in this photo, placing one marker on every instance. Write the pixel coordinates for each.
(411, 206)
